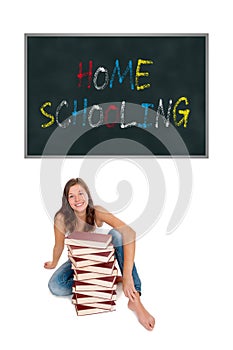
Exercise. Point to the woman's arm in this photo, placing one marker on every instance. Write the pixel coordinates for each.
(128, 237)
(59, 244)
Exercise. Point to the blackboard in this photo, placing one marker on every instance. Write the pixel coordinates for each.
(116, 95)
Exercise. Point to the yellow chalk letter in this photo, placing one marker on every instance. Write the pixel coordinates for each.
(141, 74)
(46, 125)
(184, 112)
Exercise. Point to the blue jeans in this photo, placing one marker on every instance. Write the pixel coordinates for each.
(61, 282)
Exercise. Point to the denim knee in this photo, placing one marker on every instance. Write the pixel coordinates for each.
(116, 238)
(60, 284)
(58, 290)
(54, 286)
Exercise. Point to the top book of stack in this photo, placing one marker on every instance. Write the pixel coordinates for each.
(88, 239)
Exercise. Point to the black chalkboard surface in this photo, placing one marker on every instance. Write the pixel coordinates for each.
(116, 95)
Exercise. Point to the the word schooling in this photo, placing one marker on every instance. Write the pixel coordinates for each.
(96, 115)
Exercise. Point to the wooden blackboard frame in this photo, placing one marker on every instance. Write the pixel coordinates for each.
(140, 136)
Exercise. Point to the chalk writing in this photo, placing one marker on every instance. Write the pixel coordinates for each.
(101, 79)
(102, 116)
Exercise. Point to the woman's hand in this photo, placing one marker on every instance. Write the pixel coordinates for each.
(49, 265)
(128, 287)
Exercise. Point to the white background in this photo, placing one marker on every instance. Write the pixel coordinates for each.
(187, 276)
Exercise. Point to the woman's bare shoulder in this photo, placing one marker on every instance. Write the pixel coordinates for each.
(103, 215)
(99, 209)
(59, 217)
(100, 213)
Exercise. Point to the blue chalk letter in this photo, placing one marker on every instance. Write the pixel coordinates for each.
(117, 69)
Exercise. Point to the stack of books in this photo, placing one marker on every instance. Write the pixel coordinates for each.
(95, 272)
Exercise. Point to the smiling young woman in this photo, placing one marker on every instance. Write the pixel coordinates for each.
(78, 213)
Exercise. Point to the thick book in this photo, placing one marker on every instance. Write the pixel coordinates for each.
(88, 239)
(108, 283)
(107, 305)
(108, 294)
(81, 275)
(77, 250)
(95, 288)
(105, 281)
(82, 310)
(82, 262)
(100, 256)
(105, 294)
(104, 268)
(79, 262)
(79, 298)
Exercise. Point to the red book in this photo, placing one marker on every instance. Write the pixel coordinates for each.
(81, 275)
(78, 298)
(106, 281)
(105, 268)
(110, 284)
(105, 294)
(107, 305)
(80, 262)
(88, 239)
(77, 250)
(100, 256)
(82, 310)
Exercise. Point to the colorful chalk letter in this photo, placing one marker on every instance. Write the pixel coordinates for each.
(117, 69)
(46, 125)
(141, 74)
(184, 112)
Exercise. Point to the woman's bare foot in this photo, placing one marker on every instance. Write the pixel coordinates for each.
(146, 319)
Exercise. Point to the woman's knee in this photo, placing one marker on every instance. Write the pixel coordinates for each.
(116, 237)
(54, 287)
(58, 290)
(61, 281)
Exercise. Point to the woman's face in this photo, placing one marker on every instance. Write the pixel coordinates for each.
(78, 198)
